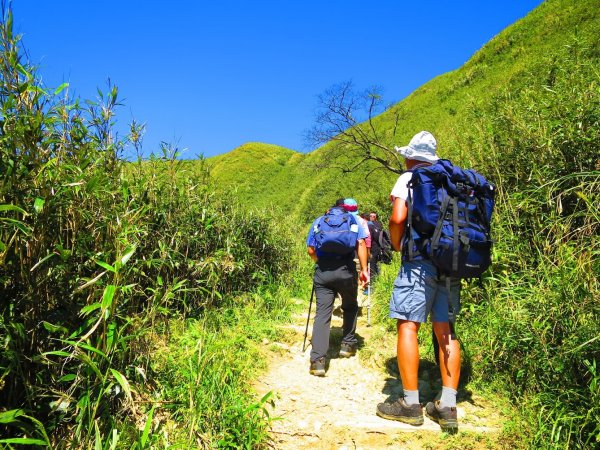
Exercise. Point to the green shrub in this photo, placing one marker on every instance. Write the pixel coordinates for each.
(97, 255)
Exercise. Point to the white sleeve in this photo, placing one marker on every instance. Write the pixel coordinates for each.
(400, 189)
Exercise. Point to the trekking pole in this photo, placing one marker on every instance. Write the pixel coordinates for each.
(308, 317)
(369, 296)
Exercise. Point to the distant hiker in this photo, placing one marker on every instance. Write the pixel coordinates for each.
(332, 242)
(365, 216)
(418, 292)
(351, 205)
(379, 242)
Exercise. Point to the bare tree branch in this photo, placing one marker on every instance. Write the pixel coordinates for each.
(345, 119)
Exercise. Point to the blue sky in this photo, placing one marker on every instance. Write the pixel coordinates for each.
(210, 76)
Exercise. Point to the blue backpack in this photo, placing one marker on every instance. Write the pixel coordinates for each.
(450, 211)
(335, 233)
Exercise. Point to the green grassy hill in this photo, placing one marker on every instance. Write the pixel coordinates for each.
(259, 174)
(458, 107)
(133, 294)
(524, 111)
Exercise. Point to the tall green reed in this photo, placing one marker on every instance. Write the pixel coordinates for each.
(98, 255)
(537, 322)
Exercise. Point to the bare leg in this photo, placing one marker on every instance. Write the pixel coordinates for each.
(449, 353)
(408, 354)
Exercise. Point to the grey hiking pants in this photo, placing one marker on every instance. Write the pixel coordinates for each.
(333, 277)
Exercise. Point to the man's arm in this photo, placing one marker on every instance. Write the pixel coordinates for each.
(398, 222)
(312, 252)
(362, 259)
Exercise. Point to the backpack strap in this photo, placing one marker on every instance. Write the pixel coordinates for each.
(435, 239)
(410, 240)
(455, 235)
(352, 219)
(380, 239)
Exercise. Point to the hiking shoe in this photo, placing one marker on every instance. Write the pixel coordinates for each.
(317, 367)
(445, 416)
(347, 350)
(400, 411)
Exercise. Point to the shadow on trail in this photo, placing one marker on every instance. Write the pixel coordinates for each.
(430, 381)
(335, 340)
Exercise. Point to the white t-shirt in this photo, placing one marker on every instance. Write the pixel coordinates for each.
(400, 189)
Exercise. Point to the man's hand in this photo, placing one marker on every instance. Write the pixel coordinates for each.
(364, 276)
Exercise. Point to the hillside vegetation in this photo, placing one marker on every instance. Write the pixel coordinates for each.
(524, 111)
(135, 296)
(559, 38)
(259, 174)
(132, 298)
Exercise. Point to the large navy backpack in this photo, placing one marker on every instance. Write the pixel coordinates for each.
(450, 209)
(336, 232)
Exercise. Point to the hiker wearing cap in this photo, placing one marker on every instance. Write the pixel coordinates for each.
(332, 242)
(351, 206)
(418, 293)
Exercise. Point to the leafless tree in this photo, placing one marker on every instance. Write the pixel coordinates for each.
(345, 119)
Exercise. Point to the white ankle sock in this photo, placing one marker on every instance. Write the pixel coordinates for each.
(448, 397)
(411, 397)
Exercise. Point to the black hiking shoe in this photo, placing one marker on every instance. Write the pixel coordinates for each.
(446, 416)
(347, 350)
(400, 411)
(317, 367)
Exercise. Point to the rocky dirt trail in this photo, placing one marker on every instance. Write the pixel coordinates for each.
(338, 411)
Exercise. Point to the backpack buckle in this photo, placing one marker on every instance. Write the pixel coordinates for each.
(465, 189)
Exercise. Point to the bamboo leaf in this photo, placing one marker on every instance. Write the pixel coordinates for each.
(87, 360)
(28, 441)
(147, 428)
(109, 294)
(23, 71)
(54, 328)
(90, 282)
(115, 439)
(59, 89)
(129, 251)
(98, 441)
(89, 308)
(122, 382)
(57, 353)
(68, 377)
(106, 266)
(20, 225)
(38, 204)
(110, 335)
(36, 89)
(12, 208)
(11, 416)
(41, 261)
(86, 347)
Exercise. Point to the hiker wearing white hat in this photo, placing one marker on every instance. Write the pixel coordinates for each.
(422, 147)
(419, 292)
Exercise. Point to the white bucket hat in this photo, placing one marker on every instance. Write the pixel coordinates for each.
(421, 147)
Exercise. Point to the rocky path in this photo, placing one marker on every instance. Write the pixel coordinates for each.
(338, 411)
